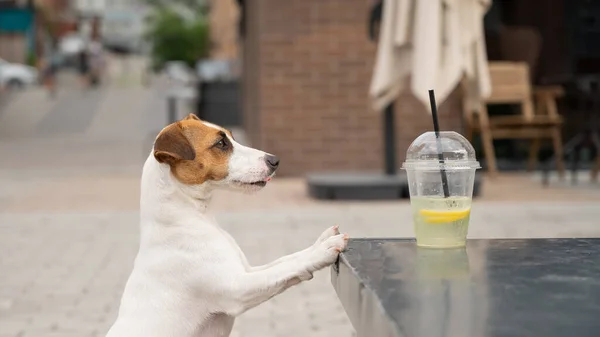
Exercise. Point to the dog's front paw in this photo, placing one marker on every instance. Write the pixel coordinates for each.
(329, 232)
(325, 253)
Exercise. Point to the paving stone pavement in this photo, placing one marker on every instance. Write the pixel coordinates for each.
(63, 273)
(69, 222)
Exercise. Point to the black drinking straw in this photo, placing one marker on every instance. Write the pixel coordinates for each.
(436, 128)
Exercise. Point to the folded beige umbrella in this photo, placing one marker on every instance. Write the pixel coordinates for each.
(430, 44)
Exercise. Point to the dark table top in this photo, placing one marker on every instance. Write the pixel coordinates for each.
(499, 288)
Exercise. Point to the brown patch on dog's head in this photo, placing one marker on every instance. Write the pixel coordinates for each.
(196, 152)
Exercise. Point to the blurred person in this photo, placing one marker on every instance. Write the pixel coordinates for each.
(97, 62)
(84, 66)
(49, 66)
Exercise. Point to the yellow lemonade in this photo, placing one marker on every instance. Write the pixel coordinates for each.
(441, 222)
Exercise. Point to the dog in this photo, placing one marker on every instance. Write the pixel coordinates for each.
(190, 278)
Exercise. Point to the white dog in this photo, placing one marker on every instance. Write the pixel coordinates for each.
(190, 278)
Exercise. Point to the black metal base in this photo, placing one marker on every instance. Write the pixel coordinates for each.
(364, 186)
(587, 139)
(584, 89)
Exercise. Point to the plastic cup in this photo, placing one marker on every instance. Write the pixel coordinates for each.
(441, 215)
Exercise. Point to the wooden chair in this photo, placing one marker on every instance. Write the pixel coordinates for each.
(511, 85)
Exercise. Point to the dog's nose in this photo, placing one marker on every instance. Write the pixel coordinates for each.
(272, 161)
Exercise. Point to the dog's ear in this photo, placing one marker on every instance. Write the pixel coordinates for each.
(192, 116)
(172, 146)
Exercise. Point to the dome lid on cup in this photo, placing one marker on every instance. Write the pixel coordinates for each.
(458, 153)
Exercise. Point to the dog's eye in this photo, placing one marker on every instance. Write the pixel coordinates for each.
(222, 144)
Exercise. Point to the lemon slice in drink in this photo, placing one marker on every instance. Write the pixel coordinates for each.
(443, 216)
(458, 213)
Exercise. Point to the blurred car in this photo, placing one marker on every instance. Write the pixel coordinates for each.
(122, 29)
(16, 75)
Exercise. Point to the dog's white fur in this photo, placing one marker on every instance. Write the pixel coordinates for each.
(190, 278)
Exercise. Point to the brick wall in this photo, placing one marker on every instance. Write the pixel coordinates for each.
(307, 68)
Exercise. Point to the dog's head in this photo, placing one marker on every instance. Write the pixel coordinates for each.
(203, 154)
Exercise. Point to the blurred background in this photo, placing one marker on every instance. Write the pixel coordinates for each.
(86, 85)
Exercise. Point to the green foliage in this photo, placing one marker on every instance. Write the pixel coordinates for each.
(174, 37)
(31, 59)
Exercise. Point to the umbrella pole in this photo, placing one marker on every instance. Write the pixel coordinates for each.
(389, 140)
